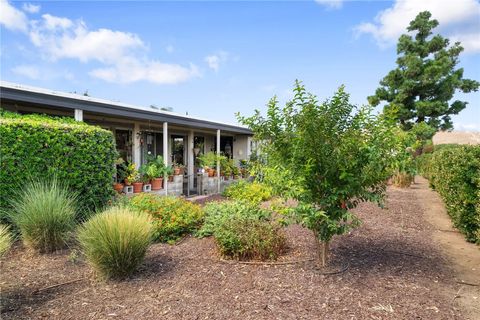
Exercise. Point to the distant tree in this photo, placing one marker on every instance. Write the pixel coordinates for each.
(425, 80)
(328, 156)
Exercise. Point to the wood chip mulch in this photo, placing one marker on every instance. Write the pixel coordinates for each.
(395, 272)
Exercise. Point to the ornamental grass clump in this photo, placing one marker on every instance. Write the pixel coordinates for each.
(6, 239)
(44, 212)
(115, 241)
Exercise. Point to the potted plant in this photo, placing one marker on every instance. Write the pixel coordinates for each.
(131, 174)
(178, 169)
(169, 173)
(137, 183)
(121, 175)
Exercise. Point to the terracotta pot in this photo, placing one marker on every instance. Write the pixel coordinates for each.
(127, 182)
(170, 178)
(157, 183)
(137, 187)
(177, 171)
(118, 187)
(211, 172)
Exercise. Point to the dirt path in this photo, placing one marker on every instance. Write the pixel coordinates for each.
(399, 269)
(464, 256)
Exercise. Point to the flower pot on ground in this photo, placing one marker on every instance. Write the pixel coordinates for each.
(118, 187)
(137, 187)
(157, 183)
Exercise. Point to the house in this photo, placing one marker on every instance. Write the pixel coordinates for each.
(139, 131)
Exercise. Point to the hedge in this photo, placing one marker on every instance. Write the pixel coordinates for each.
(454, 172)
(38, 146)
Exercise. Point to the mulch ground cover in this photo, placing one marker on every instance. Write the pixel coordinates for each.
(395, 272)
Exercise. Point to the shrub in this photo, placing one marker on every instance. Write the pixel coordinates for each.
(44, 212)
(115, 241)
(38, 146)
(172, 217)
(253, 192)
(5, 239)
(454, 172)
(243, 231)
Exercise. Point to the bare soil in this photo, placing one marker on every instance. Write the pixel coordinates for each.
(398, 270)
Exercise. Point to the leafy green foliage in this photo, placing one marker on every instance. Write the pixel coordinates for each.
(44, 212)
(425, 80)
(243, 231)
(329, 156)
(115, 241)
(6, 239)
(253, 192)
(172, 217)
(454, 172)
(37, 146)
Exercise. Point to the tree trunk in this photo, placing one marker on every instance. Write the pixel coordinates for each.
(323, 250)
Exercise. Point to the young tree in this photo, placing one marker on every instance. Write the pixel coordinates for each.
(425, 80)
(328, 156)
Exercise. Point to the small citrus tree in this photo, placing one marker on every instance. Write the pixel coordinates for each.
(328, 156)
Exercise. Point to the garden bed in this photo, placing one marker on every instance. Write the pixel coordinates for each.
(395, 272)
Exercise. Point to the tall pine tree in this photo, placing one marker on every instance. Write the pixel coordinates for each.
(422, 86)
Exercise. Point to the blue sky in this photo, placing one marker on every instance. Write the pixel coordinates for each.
(212, 59)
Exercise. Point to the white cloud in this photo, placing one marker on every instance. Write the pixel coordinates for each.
(467, 126)
(456, 17)
(130, 70)
(31, 8)
(12, 18)
(124, 55)
(214, 60)
(31, 72)
(331, 4)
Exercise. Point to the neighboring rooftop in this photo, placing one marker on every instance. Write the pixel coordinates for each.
(17, 92)
(460, 137)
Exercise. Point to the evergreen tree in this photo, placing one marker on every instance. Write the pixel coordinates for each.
(420, 89)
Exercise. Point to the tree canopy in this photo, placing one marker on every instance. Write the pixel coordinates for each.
(422, 86)
(328, 156)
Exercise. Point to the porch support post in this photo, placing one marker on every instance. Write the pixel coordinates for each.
(218, 161)
(78, 115)
(190, 163)
(136, 150)
(165, 153)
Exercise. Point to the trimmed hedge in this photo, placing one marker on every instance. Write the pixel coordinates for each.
(454, 172)
(37, 147)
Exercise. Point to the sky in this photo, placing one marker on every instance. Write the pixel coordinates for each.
(213, 59)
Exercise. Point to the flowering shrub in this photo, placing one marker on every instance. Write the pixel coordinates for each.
(172, 217)
(253, 192)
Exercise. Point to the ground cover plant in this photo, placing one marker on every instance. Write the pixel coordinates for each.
(38, 146)
(454, 172)
(254, 192)
(172, 217)
(243, 231)
(328, 156)
(115, 241)
(45, 214)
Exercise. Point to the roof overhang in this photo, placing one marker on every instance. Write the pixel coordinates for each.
(20, 95)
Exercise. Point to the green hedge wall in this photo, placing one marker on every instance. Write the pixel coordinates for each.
(38, 146)
(454, 172)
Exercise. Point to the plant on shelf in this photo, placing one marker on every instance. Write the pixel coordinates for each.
(169, 173)
(178, 169)
(158, 168)
(209, 162)
(121, 175)
(130, 173)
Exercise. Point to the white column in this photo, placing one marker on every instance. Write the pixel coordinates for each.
(136, 150)
(218, 161)
(165, 153)
(190, 163)
(249, 147)
(78, 115)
